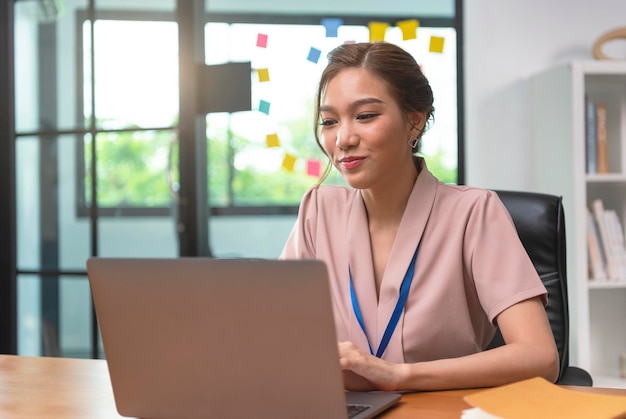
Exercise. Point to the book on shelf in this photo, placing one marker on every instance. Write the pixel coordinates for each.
(606, 243)
(590, 136)
(597, 265)
(602, 140)
(616, 233)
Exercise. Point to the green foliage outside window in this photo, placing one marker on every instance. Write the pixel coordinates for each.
(132, 169)
(138, 169)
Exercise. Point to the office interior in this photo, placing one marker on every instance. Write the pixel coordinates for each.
(501, 46)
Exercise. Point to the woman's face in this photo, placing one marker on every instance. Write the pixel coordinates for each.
(364, 131)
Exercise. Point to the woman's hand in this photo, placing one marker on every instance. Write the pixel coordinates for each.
(365, 372)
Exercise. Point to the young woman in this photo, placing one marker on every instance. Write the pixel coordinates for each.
(420, 271)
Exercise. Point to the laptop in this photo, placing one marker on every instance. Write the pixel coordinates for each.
(222, 338)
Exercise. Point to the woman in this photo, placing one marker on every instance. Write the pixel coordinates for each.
(420, 271)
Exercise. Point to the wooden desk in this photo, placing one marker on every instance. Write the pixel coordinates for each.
(80, 388)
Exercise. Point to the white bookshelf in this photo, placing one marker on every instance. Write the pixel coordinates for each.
(597, 308)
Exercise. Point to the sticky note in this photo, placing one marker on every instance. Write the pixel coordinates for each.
(289, 162)
(377, 31)
(331, 24)
(261, 40)
(264, 74)
(436, 44)
(264, 107)
(408, 28)
(272, 140)
(314, 55)
(313, 167)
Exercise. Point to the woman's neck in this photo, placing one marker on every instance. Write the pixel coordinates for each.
(385, 205)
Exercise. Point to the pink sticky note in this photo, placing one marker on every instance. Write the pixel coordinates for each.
(313, 167)
(261, 40)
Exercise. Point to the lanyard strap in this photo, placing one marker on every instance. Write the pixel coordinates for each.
(397, 311)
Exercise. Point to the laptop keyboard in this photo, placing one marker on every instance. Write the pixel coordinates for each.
(355, 409)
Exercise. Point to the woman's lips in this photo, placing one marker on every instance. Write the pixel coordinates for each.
(351, 162)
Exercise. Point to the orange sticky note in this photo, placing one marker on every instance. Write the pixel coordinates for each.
(272, 140)
(436, 44)
(408, 28)
(289, 161)
(313, 167)
(377, 31)
(264, 74)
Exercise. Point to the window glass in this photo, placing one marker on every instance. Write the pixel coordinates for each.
(265, 157)
(272, 150)
(136, 73)
(134, 168)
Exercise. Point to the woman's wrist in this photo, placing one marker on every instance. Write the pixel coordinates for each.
(404, 375)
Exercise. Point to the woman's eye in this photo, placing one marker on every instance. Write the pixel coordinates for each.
(366, 116)
(328, 122)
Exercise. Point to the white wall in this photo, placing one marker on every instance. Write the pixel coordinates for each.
(505, 44)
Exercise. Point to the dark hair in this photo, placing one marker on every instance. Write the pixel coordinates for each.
(393, 65)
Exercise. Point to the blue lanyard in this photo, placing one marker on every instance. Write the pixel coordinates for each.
(397, 311)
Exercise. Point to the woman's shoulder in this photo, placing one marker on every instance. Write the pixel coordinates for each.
(327, 198)
(465, 192)
(330, 192)
(467, 197)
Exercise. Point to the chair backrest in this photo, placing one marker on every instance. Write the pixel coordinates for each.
(540, 223)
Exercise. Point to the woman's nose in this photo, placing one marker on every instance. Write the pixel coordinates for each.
(346, 136)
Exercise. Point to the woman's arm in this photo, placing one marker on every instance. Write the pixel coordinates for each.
(529, 351)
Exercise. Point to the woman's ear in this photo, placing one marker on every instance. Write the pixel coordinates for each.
(417, 120)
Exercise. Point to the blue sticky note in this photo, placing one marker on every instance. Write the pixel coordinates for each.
(264, 107)
(314, 55)
(331, 24)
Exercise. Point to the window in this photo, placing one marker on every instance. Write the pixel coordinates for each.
(259, 160)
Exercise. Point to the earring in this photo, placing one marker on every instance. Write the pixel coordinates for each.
(413, 142)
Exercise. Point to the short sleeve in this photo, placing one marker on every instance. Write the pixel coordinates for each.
(501, 268)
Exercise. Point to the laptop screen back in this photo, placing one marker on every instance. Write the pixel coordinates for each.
(227, 338)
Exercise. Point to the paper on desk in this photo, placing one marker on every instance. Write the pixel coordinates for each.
(537, 398)
(476, 413)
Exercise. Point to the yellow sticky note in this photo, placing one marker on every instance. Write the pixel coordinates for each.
(264, 74)
(377, 31)
(436, 44)
(289, 161)
(272, 140)
(408, 28)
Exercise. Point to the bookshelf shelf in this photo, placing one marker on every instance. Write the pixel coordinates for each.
(598, 284)
(609, 177)
(560, 98)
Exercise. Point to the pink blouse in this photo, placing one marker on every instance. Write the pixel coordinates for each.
(470, 267)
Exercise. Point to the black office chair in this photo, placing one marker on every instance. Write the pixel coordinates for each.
(540, 224)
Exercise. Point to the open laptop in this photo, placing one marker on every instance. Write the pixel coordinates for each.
(222, 338)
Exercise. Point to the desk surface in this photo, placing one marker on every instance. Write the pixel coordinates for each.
(80, 388)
